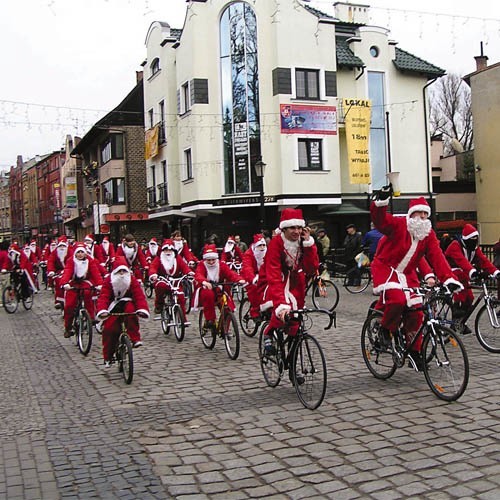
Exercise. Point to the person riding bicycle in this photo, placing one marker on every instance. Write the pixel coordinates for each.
(152, 250)
(133, 254)
(231, 254)
(17, 261)
(182, 248)
(80, 272)
(210, 271)
(55, 267)
(253, 259)
(121, 293)
(466, 260)
(406, 240)
(107, 253)
(167, 264)
(291, 255)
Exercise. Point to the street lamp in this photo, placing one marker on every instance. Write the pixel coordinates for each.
(260, 168)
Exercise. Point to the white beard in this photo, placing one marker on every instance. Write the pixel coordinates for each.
(153, 250)
(27, 251)
(292, 251)
(229, 248)
(168, 262)
(52, 247)
(89, 249)
(120, 284)
(105, 246)
(14, 258)
(33, 248)
(81, 268)
(212, 271)
(178, 244)
(129, 252)
(418, 228)
(259, 256)
(61, 253)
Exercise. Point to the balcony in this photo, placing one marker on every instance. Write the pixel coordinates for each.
(163, 194)
(151, 193)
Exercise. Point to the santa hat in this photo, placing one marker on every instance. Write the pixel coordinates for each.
(62, 241)
(89, 237)
(210, 251)
(291, 217)
(469, 231)
(119, 264)
(14, 248)
(80, 247)
(258, 239)
(419, 205)
(105, 238)
(33, 242)
(230, 239)
(168, 243)
(153, 241)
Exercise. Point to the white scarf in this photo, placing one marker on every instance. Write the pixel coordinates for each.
(418, 228)
(212, 271)
(168, 262)
(292, 249)
(259, 255)
(120, 284)
(81, 268)
(61, 253)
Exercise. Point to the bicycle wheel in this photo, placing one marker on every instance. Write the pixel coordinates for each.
(271, 363)
(148, 289)
(248, 324)
(207, 334)
(487, 326)
(309, 372)
(10, 301)
(28, 301)
(178, 320)
(126, 358)
(442, 310)
(447, 367)
(357, 283)
(378, 359)
(187, 288)
(165, 320)
(231, 334)
(325, 295)
(84, 332)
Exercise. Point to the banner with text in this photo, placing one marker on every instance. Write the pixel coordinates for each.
(302, 119)
(151, 142)
(357, 115)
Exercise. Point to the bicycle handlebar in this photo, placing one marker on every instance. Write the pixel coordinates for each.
(298, 313)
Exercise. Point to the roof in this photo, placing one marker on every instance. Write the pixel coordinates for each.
(405, 61)
(345, 56)
(176, 32)
(318, 13)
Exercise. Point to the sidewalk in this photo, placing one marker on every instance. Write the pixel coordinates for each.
(195, 424)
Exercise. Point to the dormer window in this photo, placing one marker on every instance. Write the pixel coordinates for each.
(155, 66)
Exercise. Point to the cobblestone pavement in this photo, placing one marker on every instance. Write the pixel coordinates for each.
(194, 424)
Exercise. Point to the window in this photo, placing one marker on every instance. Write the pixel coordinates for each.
(188, 161)
(307, 84)
(163, 187)
(186, 101)
(374, 51)
(155, 66)
(151, 118)
(310, 154)
(112, 148)
(114, 191)
(378, 146)
(163, 136)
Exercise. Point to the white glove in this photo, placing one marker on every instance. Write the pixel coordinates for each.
(67, 286)
(51, 274)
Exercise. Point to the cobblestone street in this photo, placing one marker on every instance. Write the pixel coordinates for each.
(194, 424)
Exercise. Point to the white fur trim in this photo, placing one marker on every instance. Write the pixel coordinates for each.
(406, 259)
(472, 272)
(143, 311)
(119, 268)
(495, 274)
(266, 305)
(100, 313)
(430, 275)
(211, 255)
(419, 208)
(281, 308)
(382, 203)
(292, 222)
(308, 243)
(452, 281)
(153, 276)
(471, 235)
(390, 285)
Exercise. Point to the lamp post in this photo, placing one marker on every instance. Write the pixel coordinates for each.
(260, 168)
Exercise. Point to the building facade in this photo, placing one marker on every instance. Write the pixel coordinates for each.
(5, 224)
(244, 83)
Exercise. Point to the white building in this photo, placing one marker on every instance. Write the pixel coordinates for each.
(244, 82)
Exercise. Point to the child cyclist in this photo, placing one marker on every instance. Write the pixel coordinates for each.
(121, 293)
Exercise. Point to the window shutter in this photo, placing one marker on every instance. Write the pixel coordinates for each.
(331, 83)
(178, 101)
(282, 81)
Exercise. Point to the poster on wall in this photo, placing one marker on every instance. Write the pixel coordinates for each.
(71, 192)
(303, 119)
(151, 138)
(357, 116)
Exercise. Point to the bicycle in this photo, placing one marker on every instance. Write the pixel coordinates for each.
(300, 354)
(123, 354)
(487, 322)
(188, 289)
(237, 289)
(172, 315)
(12, 293)
(226, 326)
(148, 285)
(82, 323)
(445, 360)
(324, 292)
(338, 270)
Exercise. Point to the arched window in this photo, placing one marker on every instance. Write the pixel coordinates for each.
(155, 66)
(240, 97)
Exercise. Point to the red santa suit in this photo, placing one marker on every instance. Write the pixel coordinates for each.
(17, 261)
(185, 252)
(55, 267)
(218, 272)
(120, 293)
(286, 265)
(152, 250)
(79, 274)
(107, 253)
(231, 254)
(168, 264)
(465, 258)
(398, 255)
(36, 250)
(135, 258)
(253, 259)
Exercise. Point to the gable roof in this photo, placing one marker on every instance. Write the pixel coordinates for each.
(407, 62)
(318, 13)
(345, 56)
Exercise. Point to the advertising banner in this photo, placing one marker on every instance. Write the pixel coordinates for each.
(303, 119)
(71, 193)
(357, 115)
(151, 142)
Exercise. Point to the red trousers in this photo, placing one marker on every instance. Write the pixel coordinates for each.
(161, 290)
(255, 299)
(58, 291)
(112, 328)
(71, 301)
(465, 298)
(208, 299)
(292, 327)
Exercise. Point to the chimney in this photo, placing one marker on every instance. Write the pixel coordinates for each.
(138, 76)
(481, 61)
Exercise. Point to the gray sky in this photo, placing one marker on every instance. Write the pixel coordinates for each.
(66, 63)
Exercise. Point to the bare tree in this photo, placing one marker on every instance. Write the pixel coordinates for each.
(450, 112)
